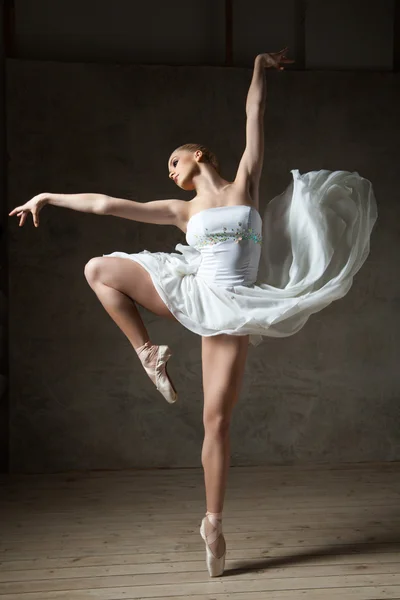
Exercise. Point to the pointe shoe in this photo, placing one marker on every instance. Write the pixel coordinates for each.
(159, 376)
(215, 565)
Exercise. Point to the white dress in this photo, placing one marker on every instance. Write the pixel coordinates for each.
(245, 274)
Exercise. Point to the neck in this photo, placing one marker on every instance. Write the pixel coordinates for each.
(207, 181)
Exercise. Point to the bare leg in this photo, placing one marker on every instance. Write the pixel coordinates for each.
(224, 359)
(118, 282)
(123, 311)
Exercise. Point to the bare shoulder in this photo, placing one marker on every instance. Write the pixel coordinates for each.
(247, 187)
(180, 211)
(244, 191)
(169, 212)
(234, 194)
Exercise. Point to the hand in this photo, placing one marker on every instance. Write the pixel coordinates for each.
(33, 206)
(274, 59)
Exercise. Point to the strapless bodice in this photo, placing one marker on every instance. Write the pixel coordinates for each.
(229, 239)
(315, 237)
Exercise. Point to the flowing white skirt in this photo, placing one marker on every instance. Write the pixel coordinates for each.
(316, 236)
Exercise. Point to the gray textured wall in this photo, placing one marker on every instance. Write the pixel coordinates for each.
(328, 34)
(4, 415)
(79, 398)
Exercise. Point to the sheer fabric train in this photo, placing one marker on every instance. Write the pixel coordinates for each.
(243, 272)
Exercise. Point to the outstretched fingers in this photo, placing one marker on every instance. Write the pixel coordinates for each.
(276, 58)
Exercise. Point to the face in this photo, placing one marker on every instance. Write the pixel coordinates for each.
(182, 166)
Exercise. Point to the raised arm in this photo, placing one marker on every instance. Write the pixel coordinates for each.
(250, 166)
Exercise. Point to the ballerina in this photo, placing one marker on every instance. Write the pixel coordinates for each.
(311, 241)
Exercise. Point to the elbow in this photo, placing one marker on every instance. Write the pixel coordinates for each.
(102, 206)
(255, 109)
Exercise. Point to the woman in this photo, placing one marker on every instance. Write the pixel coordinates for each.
(312, 239)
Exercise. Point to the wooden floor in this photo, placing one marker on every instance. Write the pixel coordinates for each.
(291, 532)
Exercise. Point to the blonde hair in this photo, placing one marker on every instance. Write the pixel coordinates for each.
(208, 155)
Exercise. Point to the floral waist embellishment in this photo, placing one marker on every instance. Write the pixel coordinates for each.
(228, 234)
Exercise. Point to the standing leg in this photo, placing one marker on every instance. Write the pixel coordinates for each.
(223, 360)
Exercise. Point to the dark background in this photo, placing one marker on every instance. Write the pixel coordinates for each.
(94, 97)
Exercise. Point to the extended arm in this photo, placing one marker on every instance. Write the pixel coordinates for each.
(257, 94)
(160, 212)
(250, 167)
(252, 160)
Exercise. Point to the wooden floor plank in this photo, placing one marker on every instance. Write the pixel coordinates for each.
(179, 572)
(183, 560)
(348, 593)
(309, 532)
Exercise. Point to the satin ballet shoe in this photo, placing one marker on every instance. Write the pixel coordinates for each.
(215, 565)
(159, 376)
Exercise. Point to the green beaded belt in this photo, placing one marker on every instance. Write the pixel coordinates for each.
(238, 235)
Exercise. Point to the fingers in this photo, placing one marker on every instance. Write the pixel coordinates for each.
(281, 52)
(20, 213)
(277, 59)
(23, 214)
(15, 210)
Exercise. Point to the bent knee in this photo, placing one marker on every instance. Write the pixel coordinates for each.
(93, 268)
